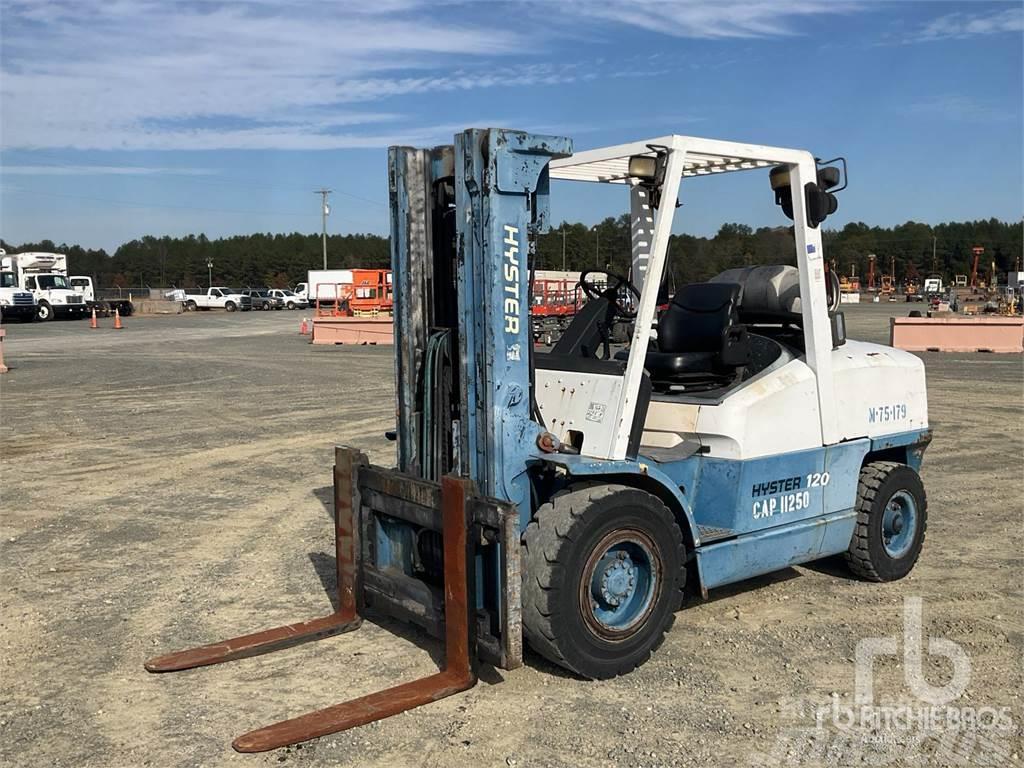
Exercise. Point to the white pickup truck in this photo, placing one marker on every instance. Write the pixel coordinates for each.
(290, 299)
(218, 297)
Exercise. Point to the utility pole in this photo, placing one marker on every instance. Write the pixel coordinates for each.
(934, 240)
(209, 273)
(325, 211)
(597, 253)
(563, 246)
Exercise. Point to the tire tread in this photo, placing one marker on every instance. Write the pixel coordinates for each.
(544, 537)
(858, 556)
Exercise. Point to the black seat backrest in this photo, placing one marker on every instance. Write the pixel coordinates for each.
(583, 336)
(699, 318)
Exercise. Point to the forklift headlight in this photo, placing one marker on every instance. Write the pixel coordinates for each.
(779, 177)
(643, 167)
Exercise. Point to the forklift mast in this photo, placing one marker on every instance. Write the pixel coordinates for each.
(462, 309)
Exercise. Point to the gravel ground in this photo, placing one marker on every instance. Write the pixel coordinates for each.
(169, 484)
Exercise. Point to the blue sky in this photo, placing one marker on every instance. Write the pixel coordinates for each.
(120, 118)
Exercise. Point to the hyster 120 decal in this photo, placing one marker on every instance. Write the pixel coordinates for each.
(785, 495)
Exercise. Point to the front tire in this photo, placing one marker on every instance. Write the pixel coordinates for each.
(44, 312)
(892, 517)
(291, 305)
(603, 576)
(230, 306)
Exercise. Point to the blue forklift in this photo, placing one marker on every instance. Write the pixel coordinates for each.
(570, 499)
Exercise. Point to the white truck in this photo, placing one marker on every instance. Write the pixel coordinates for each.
(323, 284)
(15, 301)
(218, 297)
(290, 299)
(45, 276)
(84, 285)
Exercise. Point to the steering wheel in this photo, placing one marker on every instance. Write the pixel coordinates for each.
(612, 291)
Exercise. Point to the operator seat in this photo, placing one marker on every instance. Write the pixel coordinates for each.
(699, 335)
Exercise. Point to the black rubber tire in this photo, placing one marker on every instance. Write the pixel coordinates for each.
(556, 547)
(44, 312)
(191, 306)
(230, 306)
(867, 557)
(291, 305)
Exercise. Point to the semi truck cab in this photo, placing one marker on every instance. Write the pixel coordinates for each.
(15, 302)
(45, 276)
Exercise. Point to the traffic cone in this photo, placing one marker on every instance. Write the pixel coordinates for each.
(117, 320)
(304, 328)
(92, 322)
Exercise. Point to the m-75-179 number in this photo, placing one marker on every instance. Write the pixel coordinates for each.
(883, 413)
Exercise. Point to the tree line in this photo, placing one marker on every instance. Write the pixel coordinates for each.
(913, 250)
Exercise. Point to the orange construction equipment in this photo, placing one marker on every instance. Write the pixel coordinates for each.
(117, 320)
(555, 298)
(92, 321)
(973, 282)
(369, 294)
(337, 305)
(372, 292)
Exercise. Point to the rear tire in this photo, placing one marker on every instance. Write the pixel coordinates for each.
(191, 306)
(603, 576)
(892, 517)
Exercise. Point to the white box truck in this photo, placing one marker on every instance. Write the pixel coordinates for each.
(323, 284)
(45, 276)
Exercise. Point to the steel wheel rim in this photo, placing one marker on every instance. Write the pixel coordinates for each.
(899, 524)
(620, 584)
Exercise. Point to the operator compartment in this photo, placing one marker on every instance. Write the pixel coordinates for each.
(757, 367)
(718, 335)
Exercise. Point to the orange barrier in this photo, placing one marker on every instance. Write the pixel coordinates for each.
(957, 334)
(117, 321)
(304, 327)
(92, 320)
(3, 368)
(353, 330)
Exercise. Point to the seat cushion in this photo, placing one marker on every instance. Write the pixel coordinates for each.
(665, 365)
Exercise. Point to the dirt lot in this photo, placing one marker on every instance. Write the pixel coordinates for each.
(168, 484)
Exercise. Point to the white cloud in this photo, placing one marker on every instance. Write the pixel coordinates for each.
(963, 109)
(133, 73)
(723, 19)
(102, 170)
(149, 74)
(964, 25)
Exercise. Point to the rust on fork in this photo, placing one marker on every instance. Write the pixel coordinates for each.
(458, 674)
